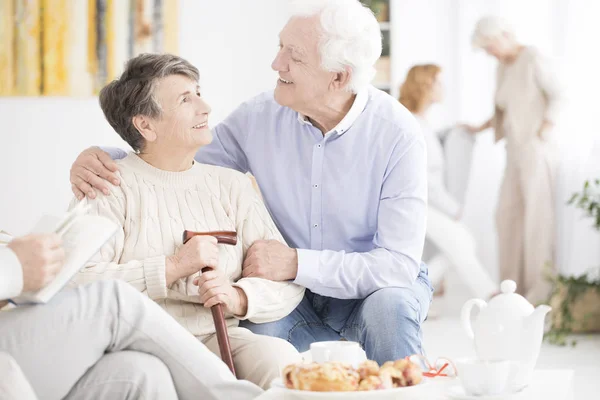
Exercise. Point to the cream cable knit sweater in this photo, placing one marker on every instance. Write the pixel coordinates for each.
(154, 207)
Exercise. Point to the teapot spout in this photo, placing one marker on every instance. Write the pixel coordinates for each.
(536, 319)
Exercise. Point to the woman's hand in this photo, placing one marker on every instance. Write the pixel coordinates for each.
(545, 129)
(197, 253)
(469, 128)
(214, 288)
(473, 130)
(91, 170)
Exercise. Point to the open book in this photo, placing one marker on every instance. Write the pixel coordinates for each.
(82, 235)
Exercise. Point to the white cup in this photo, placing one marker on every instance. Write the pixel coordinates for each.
(480, 378)
(341, 351)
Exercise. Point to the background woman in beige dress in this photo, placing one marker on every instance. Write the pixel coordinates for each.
(526, 111)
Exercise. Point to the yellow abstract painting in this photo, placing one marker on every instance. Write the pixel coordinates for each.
(75, 47)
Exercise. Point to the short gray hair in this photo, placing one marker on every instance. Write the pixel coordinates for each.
(351, 37)
(133, 92)
(491, 28)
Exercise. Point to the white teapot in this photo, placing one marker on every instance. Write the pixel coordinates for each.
(507, 328)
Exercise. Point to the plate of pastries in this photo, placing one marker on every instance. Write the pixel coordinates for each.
(339, 380)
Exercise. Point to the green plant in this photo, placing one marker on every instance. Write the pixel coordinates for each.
(568, 290)
(589, 201)
(380, 8)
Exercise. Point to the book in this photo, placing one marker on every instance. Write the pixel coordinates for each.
(5, 238)
(82, 235)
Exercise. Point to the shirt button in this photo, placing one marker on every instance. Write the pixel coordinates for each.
(315, 225)
(319, 146)
(315, 186)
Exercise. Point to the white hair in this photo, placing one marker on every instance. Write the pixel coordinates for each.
(491, 28)
(351, 38)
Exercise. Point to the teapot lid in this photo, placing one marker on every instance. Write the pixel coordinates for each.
(510, 302)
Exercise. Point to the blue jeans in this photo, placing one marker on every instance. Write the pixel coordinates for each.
(387, 323)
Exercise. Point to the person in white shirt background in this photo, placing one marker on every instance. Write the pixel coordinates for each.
(448, 240)
(104, 340)
(528, 105)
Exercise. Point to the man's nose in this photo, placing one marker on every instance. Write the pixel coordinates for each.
(279, 63)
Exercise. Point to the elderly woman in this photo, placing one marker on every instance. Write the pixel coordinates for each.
(527, 105)
(157, 108)
(453, 244)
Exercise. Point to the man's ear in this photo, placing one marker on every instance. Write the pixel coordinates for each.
(144, 127)
(341, 79)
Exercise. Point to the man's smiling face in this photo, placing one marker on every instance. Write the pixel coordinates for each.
(302, 82)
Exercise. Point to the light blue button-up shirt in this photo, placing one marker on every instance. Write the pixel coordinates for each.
(353, 201)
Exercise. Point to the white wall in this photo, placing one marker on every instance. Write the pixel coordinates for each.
(232, 43)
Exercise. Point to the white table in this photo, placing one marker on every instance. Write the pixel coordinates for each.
(554, 384)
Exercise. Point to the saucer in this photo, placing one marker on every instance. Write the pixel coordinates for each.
(458, 393)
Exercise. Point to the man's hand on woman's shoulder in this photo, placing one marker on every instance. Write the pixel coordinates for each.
(93, 169)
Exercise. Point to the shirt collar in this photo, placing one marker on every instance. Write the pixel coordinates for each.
(360, 102)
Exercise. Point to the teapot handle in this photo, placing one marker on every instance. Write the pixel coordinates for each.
(465, 315)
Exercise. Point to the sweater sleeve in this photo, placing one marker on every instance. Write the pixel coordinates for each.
(550, 86)
(147, 275)
(498, 117)
(267, 300)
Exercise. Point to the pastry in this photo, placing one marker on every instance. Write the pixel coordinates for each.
(372, 382)
(412, 374)
(326, 377)
(339, 377)
(395, 375)
(368, 368)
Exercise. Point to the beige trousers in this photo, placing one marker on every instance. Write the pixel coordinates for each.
(525, 217)
(256, 358)
(106, 340)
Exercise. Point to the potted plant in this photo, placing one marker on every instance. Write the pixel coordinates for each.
(576, 300)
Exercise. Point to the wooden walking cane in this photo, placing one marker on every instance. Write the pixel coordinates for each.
(230, 238)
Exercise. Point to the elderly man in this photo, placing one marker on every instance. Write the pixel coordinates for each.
(100, 341)
(342, 169)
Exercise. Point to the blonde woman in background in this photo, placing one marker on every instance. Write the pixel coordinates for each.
(527, 105)
(445, 232)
